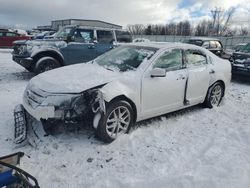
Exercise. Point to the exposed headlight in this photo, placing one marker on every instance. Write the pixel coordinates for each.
(60, 101)
(79, 104)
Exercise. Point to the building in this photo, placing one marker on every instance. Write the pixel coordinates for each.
(44, 28)
(57, 24)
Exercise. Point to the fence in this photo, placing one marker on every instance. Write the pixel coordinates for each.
(228, 42)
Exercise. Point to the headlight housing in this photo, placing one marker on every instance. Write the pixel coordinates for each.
(22, 49)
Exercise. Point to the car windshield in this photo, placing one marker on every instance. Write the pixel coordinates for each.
(246, 48)
(64, 32)
(239, 47)
(125, 58)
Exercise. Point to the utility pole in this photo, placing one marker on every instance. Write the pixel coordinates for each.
(216, 15)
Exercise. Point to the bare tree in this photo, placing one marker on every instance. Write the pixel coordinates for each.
(136, 29)
(221, 20)
(244, 31)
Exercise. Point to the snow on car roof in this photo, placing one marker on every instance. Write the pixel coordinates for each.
(203, 38)
(163, 45)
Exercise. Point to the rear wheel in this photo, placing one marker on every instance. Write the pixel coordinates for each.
(214, 95)
(117, 120)
(46, 64)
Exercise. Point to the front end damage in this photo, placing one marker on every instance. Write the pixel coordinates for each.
(52, 109)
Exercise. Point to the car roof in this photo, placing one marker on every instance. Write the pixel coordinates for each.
(164, 45)
(203, 38)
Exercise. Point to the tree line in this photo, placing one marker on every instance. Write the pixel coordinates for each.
(219, 25)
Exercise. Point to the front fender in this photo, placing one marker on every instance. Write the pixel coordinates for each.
(37, 54)
(117, 89)
(47, 50)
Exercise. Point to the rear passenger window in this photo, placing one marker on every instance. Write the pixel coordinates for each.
(1, 34)
(205, 44)
(213, 44)
(83, 35)
(171, 60)
(105, 36)
(218, 44)
(195, 58)
(11, 34)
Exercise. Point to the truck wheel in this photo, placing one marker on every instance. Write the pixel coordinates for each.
(46, 64)
(117, 120)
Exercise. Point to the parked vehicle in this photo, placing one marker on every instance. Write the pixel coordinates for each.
(12, 176)
(141, 40)
(43, 34)
(212, 44)
(126, 85)
(71, 45)
(229, 52)
(241, 61)
(239, 47)
(8, 37)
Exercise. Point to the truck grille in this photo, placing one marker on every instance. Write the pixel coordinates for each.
(16, 49)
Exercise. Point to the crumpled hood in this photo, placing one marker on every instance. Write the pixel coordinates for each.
(73, 78)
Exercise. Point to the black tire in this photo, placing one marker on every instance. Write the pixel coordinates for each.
(17, 185)
(46, 64)
(30, 69)
(214, 95)
(103, 132)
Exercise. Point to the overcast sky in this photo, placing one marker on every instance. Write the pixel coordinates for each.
(30, 13)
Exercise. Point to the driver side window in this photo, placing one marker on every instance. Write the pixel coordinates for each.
(170, 60)
(83, 35)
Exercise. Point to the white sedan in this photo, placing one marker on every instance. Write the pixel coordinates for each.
(125, 85)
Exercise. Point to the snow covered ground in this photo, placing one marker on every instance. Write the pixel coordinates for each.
(192, 148)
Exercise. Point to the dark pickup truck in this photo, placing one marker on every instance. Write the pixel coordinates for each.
(71, 45)
(241, 61)
(212, 44)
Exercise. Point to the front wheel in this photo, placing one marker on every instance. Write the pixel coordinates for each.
(214, 95)
(46, 64)
(117, 120)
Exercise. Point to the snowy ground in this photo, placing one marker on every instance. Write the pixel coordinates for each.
(193, 148)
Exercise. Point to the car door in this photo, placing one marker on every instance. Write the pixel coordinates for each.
(160, 95)
(198, 76)
(10, 38)
(1, 39)
(81, 48)
(105, 39)
(4, 40)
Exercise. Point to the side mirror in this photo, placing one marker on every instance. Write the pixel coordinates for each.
(158, 72)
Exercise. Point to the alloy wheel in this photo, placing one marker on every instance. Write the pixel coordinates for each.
(118, 121)
(216, 95)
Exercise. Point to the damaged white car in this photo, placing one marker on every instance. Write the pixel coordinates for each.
(126, 85)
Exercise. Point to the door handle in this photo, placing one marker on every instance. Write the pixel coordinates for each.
(181, 77)
(211, 71)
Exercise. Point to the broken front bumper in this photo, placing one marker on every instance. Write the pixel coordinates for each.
(42, 112)
(25, 128)
(20, 124)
